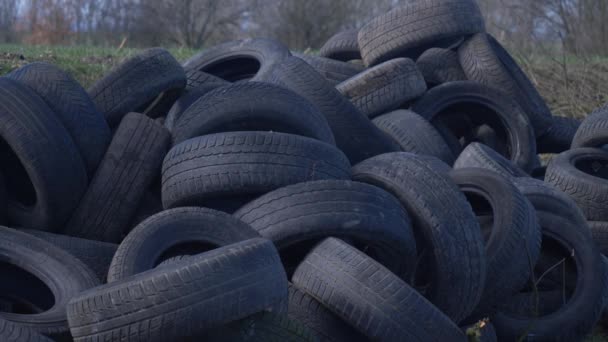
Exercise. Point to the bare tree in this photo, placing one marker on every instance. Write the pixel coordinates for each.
(8, 19)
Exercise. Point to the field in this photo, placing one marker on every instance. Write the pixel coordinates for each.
(572, 86)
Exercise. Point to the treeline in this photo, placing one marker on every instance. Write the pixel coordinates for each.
(576, 26)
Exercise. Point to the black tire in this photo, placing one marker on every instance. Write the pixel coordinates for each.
(198, 79)
(577, 318)
(129, 167)
(34, 271)
(150, 205)
(592, 131)
(583, 175)
(187, 98)
(11, 332)
(73, 106)
(410, 30)
(202, 170)
(514, 239)
(343, 46)
(335, 72)
(439, 66)
(415, 134)
(599, 231)
(3, 201)
(484, 60)
(44, 174)
(531, 304)
(477, 155)
(175, 232)
(384, 87)
(436, 206)
(239, 60)
(134, 85)
(94, 254)
(183, 299)
(560, 136)
(484, 105)
(355, 135)
(369, 297)
(326, 325)
(252, 106)
(360, 213)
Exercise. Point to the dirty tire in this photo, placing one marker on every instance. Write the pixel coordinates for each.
(358, 212)
(578, 317)
(369, 297)
(439, 66)
(173, 233)
(96, 255)
(239, 60)
(415, 134)
(410, 30)
(514, 238)
(436, 206)
(343, 46)
(134, 85)
(485, 106)
(11, 332)
(251, 269)
(235, 164)
(484, 60)
(252, 106)
(355, 135)
(34, 270)
(72, 105)
(129, 167)
(482, 156)
(560, 136)
(323, 323)
(592, 131)
(583, 174)
(333, 71)
(44, 174)
(384, 87)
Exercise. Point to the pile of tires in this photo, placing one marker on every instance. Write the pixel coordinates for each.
(387, 189)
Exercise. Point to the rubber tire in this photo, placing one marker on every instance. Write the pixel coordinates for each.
(439, 66)
(343, 46)
(198, 79)
(10, 332)
(35, 148)
(414, 134)
(73, 107)
(576, 319)
(560, 136)
(135, 83)
(196, 171)
(129, 167)
(326, 326)
(411, 29)
(588, 191)
(515, 237)
(477, 155)
(3, 201)
(64, 275)
(187, 98)
(592, 131)
(96, 255)
(436, 207)
(217, 60)
(506, 116)
(252, 106)
(358, 212)
(599, 230)
(355, 135)
(182, 230)
(484, 60)
(334, 72)
(369, 297)
(525, 303)
(385, 87)
(251, 280)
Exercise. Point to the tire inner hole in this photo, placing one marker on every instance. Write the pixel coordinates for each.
(22, 292)
(484, 213)
(238, 68)
(594, 167)
(19, 187)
